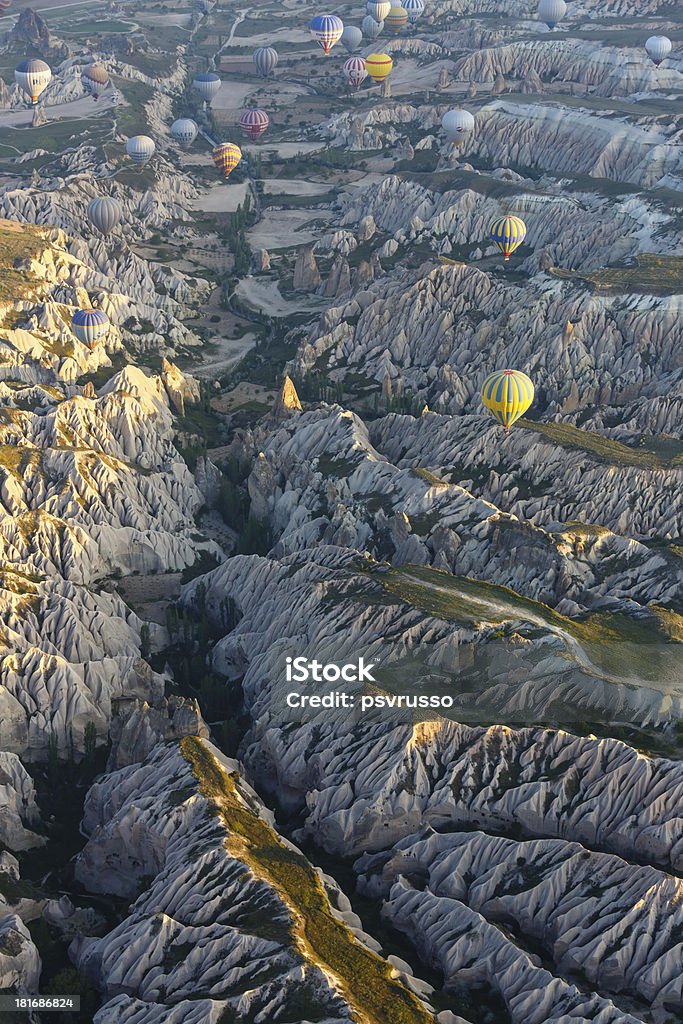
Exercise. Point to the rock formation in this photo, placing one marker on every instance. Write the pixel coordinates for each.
(306, 273)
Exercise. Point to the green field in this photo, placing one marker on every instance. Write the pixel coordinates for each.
(17, 243)
(654, 453)
(649, 274)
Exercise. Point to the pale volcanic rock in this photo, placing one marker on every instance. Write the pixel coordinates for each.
(18, 809)
(306, 273)
(207, 935)
(20, 963)
(575, 903)
(139, 727)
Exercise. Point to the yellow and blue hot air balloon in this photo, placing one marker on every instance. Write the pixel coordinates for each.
(507, 394)
(89, 325)
(508, 233)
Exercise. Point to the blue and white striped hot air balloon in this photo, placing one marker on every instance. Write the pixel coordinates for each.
(90, 326)
(327, 30)
(415, 9)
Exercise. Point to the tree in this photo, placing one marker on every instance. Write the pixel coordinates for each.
(145, 641)
(90, 740)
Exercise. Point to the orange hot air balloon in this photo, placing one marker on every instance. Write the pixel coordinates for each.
(378, 66)
(226, 157)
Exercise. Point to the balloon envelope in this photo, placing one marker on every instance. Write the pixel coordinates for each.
(184, 131)
(89, 325)
(95, 79)
(396, 18)
(226, 157)
(355, 71)
(508, 233)
(552, 11)
(414, 8)
(351, 38)
(507, 394)
(5, 6)
(140, 148)
(207, 84)
(371, 28)
(254, 122)
(378, 66)
(33, 77)
(378, 11)
(658, 48)
(104, 213)
(265, 59)
(457, 124)
(327, 30)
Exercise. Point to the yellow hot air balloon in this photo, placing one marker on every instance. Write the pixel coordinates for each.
(507, 394)
(226, 157)
(378, 66)
(396, 18)
(508, 233)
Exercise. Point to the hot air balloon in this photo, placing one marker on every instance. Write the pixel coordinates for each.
(457, 124)
(355, 71)
(371, 28)
(254, 122)
(95, 79)
(327, 30)
(5, 7)
(104, 213)
(378, 11)
(226, 157)
(265, 59)
(508, 233)
(89, 325)
(658, 48)
(507, 395)
(184, 131)
(207, 84)
(551, 11)
(351, 38)
(415, 9)
(33, 77)
(140, 148)
(378, 66)
(396, 18)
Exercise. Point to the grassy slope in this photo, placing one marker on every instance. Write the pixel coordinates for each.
(656, 454)
(17, 243)
(362, 977)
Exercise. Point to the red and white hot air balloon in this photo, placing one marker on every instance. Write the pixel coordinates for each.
(254, 122)
(355, 72)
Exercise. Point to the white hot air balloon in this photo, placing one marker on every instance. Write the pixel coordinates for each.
(658, 48)
(371, 28)
(207, 84)
(378, 11)
(351, 38)
(140, 148)
(184, 131)
(552, 11)
(104, 213)
(33, 77)
(457, 124)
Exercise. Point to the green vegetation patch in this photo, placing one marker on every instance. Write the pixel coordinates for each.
(363, 978)
(654, 453)
(647, 274)
(18, 243)
(462, 599)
